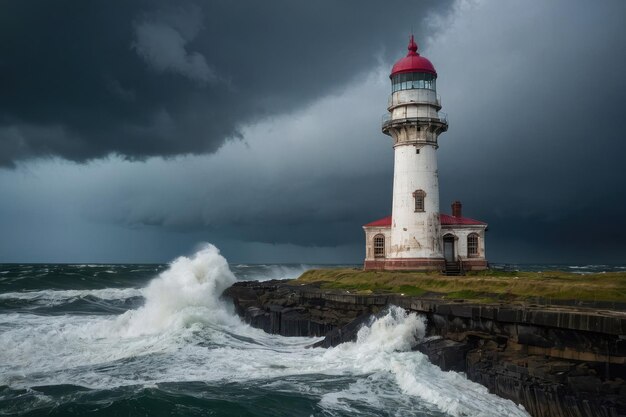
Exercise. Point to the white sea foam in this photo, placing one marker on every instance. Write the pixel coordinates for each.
(187, 292)
(185, 332)
(385, 348)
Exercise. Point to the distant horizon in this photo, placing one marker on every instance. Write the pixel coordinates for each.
(350, 264)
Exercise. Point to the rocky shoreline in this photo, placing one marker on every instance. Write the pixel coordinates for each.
(554, 360)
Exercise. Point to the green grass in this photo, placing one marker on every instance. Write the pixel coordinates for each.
(408, 290)
(487, 285)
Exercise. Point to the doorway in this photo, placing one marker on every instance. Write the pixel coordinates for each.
(448, 248)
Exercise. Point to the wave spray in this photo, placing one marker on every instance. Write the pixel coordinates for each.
(187, 292)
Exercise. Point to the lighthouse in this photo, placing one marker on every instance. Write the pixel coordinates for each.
(417, 235)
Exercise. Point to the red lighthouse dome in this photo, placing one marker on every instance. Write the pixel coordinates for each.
(413, 62)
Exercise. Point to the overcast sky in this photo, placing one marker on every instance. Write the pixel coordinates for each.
(131, 131)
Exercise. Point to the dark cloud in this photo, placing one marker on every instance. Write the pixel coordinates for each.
(163, 45)
(81, 79)
(535, 145)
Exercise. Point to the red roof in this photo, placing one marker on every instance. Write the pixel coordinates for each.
(413, 62)
(451, 220)
(444, 218)
(380, 223)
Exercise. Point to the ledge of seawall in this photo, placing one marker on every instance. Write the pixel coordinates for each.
(554, 360)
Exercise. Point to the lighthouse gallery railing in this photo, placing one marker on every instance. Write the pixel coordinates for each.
(441, 117)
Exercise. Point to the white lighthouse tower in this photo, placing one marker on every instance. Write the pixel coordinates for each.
(417, 235)
(414, 123)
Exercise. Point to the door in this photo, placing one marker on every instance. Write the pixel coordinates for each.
(448, 248)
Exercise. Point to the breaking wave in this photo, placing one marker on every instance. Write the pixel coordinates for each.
(186, 332)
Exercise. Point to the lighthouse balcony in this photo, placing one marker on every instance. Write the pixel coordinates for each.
(388, 122)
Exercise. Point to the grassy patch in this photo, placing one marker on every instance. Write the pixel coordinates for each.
(465, 294)
(408, 290)
(480, 285)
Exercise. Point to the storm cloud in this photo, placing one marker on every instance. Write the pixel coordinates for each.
(82, 80)
(269, 118)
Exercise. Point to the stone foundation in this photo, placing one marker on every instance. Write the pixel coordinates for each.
(405, 264)
(475, 264)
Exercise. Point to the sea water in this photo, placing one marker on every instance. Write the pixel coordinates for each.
(156, 340)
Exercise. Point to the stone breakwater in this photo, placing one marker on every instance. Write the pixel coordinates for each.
(555, 361)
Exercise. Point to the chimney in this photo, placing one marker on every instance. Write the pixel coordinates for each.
(457, 209)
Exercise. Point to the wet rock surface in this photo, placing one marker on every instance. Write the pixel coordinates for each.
(554, 360)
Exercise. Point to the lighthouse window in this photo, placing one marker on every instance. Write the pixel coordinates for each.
(413, 80)
(379, 246)
(472, 245)
(419, 200)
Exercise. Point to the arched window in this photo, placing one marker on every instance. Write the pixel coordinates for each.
(379, 246)
(472, 245)
(419, 200)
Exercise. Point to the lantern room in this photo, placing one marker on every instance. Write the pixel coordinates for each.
(413, 71)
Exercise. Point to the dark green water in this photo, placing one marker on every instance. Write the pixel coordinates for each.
(157, 340)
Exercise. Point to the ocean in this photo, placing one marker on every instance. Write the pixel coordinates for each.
(157, 340)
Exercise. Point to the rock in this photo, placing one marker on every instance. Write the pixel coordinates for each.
(447, 354)
(555, 361)
(347, 333)
(585, 383)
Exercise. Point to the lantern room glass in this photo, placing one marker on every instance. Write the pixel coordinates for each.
(411, 80)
